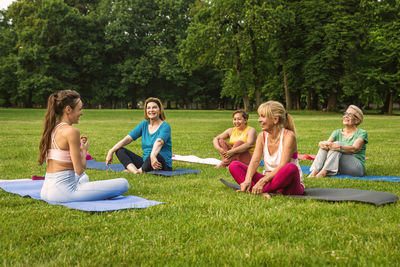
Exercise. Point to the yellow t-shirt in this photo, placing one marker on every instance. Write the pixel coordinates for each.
(236, 136)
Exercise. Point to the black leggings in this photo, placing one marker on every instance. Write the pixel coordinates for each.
(127, 157)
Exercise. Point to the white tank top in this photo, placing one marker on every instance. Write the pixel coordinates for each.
(272, 161)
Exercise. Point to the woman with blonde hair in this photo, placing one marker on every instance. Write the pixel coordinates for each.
(241, 141)
(276, 144)
(64, 151)
(344, 152)
(156, 142)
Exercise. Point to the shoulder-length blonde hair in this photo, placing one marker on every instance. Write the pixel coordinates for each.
(273, 109)
(159, 104)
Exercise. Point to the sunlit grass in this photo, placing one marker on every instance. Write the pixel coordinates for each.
(201, 222)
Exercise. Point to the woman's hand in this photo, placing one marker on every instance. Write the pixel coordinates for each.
(84, 143)
(334, 146)
(155, 163)
(109, 157)
(258, 187)
(227, 154)
(324, 145)
(245, 186)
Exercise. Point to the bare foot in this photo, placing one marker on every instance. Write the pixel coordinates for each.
(132, 171)
(322, 173)
(266, 195)
(313, 174)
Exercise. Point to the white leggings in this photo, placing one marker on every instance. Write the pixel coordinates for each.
(66, 186)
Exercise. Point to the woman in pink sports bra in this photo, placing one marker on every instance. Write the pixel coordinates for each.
(277, 144)
(64, 151)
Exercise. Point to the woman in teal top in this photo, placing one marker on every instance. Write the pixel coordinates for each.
(156, 142)
(344, 152)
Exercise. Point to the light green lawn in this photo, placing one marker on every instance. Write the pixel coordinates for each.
(202, 222)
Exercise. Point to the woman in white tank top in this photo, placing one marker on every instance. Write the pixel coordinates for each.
(278, 147)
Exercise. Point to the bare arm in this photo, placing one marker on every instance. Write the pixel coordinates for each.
(357, 145)
(225, 135)
(158, 144)
(254, 163)
(251, 139)
(77, 148)
(126, 140)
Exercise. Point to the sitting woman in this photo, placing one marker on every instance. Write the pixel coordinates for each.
(64, 151)
(344, 152)
(241, 141)
(277, 144)
(156, 142)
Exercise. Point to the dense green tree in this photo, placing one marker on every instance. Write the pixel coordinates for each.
(383, 68)
(195, 53)
(220, 35)
(8, 60)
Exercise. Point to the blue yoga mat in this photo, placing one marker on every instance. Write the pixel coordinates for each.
(306, 170)
(32, 189)
(93, 164)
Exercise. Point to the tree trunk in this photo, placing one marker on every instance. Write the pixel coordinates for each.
(314, 100)
(255, 72)
(246, 102)
(238, 67)
(390, 106)
(287, 93)
(134, 99)
(28, 103)
(332, 101)
(309, 104)
(385, 106)
(296, 102)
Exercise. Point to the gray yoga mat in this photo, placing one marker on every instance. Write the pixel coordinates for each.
(377, 198)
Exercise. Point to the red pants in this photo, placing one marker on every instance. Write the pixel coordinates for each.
(244, 157)
(286, 181)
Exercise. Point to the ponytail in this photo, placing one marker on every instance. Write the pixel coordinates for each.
(274, 108)
(289, 123)
(55, 108)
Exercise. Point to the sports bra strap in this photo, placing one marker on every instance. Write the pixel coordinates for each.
(53, 135)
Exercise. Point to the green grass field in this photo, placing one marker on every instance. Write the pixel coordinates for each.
(202, 223)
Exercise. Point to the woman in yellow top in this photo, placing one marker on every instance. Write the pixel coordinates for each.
(241, 141)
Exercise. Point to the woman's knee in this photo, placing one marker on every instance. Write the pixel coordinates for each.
(235, 165)
(124, 185)
(290, 166)
(238, 143)
(289, 169)
(120, 151)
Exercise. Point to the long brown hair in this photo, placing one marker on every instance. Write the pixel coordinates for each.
(274, 108)
(55, 109)
(159, 104)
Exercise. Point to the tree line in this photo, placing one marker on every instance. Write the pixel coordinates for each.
(308, 54)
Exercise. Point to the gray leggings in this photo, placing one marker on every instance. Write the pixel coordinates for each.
(336, 162)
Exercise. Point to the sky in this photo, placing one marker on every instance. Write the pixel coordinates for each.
(5, 3)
